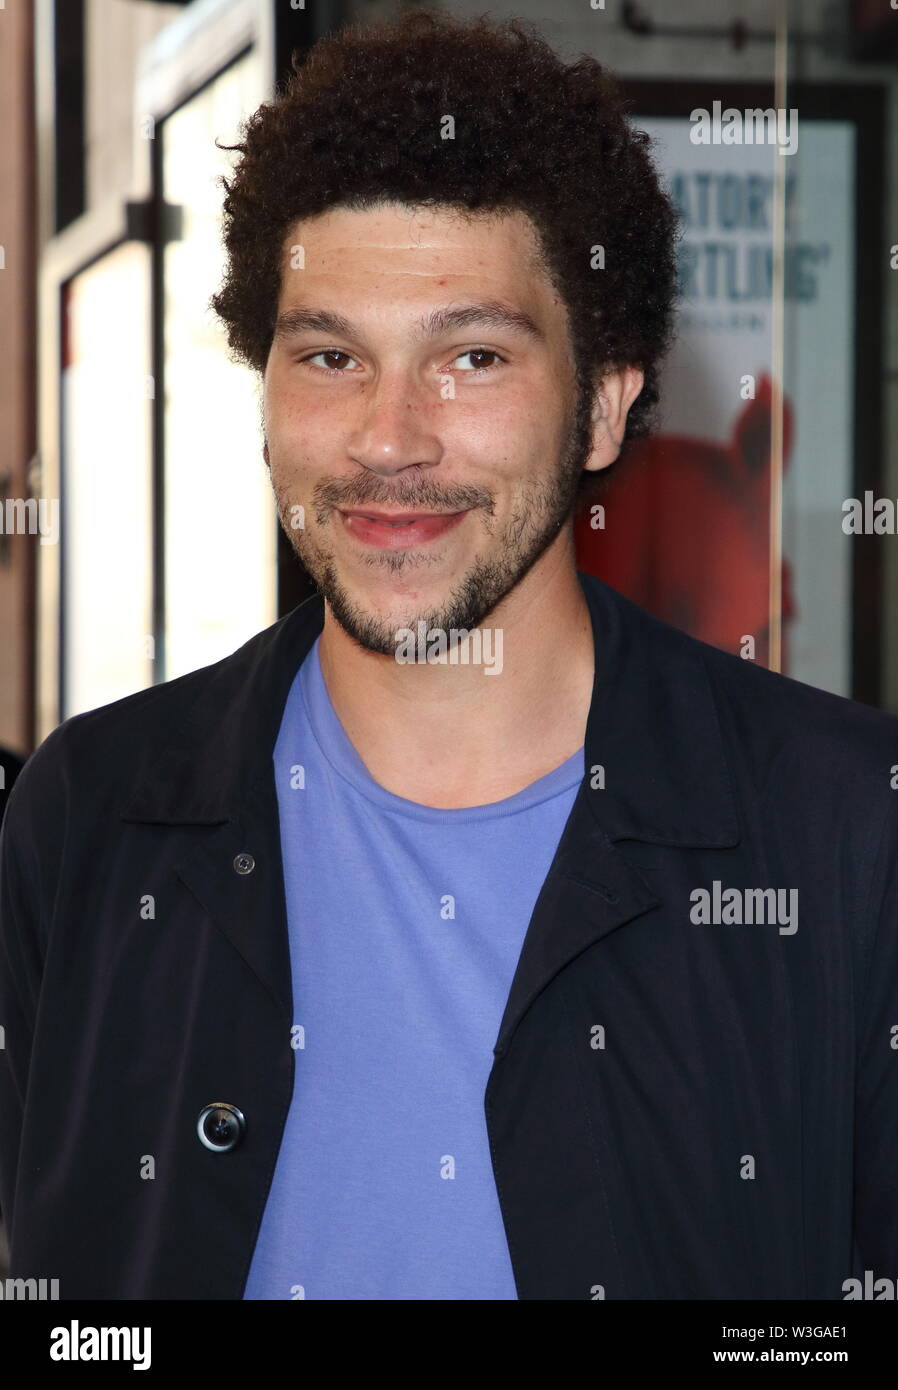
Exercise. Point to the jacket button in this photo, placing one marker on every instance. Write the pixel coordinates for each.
(244, 863)
(220, 1126)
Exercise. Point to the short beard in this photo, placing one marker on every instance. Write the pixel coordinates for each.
(532, 528)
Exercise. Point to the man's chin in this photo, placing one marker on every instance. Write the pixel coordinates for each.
(382, 603)
(378, 630)
(371, 625)
(378, 616)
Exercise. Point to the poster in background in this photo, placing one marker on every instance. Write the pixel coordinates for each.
(687, 518)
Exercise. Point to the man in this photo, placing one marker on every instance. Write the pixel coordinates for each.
(469, 933)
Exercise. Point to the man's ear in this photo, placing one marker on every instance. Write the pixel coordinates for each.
(611, 404)
(265, 455)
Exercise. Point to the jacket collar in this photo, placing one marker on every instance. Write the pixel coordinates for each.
(652, 727)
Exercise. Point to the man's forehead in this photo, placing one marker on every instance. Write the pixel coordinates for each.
(424, 258)
(398, 232)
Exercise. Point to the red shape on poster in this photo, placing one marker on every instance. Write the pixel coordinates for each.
(686, 531)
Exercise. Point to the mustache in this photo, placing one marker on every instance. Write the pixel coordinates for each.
(422, 495)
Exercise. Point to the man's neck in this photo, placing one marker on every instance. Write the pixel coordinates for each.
(451, 735)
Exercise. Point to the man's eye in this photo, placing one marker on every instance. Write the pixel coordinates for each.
(335, 360)
(481, 353)
(331, 353)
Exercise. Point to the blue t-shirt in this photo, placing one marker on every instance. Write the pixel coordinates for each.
(405, 924)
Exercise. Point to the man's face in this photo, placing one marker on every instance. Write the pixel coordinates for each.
(375, 413)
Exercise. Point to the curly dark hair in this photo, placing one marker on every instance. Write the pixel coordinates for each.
(359, 121)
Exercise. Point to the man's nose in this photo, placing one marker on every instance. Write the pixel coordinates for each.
(396, 427)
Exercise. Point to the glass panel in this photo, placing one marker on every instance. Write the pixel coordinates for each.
(818, 375)
(759, 385)
(686, 529)
(220, 520)
(106, 484)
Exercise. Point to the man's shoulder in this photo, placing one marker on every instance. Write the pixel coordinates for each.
(781, 731)
(781, 726)
(786, 706)
(746, 685)
(111, 746)
(148, 713)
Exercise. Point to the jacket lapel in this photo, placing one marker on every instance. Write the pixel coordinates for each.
(590, 890)
(215, 780)
(250, 909)
(655, 772)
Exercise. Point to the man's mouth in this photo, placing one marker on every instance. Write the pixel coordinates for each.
(397, 530)
(397, 518)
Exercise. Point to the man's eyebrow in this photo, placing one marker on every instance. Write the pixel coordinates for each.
(489, 314)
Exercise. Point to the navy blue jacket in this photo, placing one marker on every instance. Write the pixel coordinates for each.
(678, 1108)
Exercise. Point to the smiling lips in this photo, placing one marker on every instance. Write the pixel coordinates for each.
(398, 530)
(398, 518)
